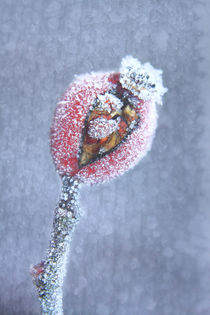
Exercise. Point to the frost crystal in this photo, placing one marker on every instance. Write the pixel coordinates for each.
(101, 127)
(108, 101)
(142, 80)
(49, 274)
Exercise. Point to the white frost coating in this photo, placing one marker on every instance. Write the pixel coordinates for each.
(109, 100)
(142, 80)
(101, 127)
(96, 90)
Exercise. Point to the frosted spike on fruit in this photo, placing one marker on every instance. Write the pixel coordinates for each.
(105, 122)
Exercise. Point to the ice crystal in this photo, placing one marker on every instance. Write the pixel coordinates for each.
(108, 101)
(142, 80)
(100, 127)
(49, 274)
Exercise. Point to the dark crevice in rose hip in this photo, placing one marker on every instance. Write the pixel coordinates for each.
(94, 148)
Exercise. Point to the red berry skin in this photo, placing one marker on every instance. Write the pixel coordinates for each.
(68, 123)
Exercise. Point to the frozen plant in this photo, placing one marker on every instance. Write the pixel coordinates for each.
(103, 125)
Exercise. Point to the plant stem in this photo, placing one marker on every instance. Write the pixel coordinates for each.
(49, 274)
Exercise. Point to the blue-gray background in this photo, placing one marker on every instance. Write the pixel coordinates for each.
(143, 245)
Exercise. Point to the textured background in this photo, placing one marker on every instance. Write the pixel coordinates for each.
(143, 245)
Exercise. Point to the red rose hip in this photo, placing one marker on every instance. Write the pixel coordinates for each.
(103, 125)
(105, 122)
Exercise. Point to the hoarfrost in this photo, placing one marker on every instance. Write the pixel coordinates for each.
(142, 80)
(100, 128)
(144, 89)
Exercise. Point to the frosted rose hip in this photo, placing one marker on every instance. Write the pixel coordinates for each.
(105, 122)
(103, 125)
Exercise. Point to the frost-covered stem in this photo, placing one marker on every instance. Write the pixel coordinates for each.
(49, 274)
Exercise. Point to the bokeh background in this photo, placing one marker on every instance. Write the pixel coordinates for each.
(143, 244)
